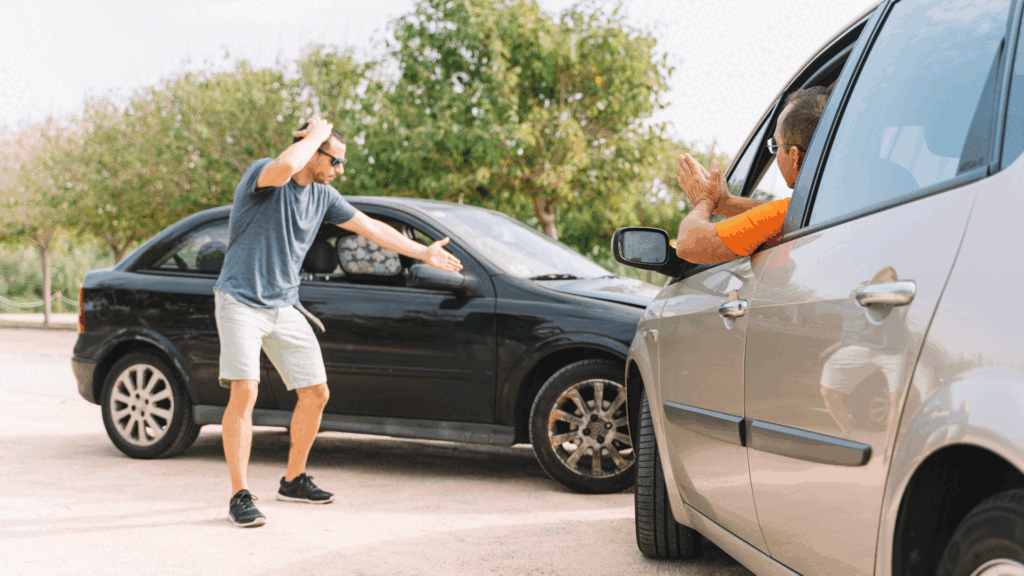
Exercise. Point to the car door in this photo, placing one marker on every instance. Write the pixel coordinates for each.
(700, 371)
(842, 305)
(174, 296)
(396, 351)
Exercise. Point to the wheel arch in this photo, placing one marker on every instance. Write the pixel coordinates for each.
(542, 369)
(128, 343)
(957, 476)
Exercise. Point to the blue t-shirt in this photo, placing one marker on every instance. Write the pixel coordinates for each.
(269, 233)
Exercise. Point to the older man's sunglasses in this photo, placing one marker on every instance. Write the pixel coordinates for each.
(334, 161)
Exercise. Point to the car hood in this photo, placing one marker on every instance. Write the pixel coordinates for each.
(617, 289)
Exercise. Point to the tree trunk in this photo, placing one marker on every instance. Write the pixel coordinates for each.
(545, 212)
(44, 252)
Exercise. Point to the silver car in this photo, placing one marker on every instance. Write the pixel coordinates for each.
(851, 401)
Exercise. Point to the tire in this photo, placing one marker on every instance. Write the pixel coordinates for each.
(990, 539)
(658, 535)
(142, 383)
(566, 429)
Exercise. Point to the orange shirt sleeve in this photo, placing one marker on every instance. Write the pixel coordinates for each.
(743, 233)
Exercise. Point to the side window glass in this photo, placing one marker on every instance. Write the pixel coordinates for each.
(200, 251)
(1013, 142)
(921, 109)
(744, 163)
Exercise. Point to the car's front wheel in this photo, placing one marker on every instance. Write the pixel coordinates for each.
(990, 539)
(146, 409)
(658, 535)
(579, 428)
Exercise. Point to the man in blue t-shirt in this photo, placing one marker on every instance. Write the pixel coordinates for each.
(278, 208)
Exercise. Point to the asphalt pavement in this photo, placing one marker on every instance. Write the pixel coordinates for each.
(71, 503)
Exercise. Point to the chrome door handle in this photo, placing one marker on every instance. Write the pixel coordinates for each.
(899, 293)
(733, 309)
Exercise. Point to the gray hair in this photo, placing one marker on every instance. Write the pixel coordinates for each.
(805, 109)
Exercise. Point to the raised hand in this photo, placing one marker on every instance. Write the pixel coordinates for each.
(440, 258)
(696, 182)
(318, 127)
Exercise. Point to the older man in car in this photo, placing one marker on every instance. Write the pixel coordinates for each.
(750, 223)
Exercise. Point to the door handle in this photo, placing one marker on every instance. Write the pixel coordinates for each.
(733, 309)
(899, 293)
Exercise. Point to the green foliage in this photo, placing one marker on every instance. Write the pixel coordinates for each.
(21, 277)
(546, 117)
(500, 104)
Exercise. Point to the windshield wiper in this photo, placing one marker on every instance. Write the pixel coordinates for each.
(555, 277)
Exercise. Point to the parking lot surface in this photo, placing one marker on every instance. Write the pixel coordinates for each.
(72, 504)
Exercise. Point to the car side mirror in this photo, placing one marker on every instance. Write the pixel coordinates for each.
(647, 249)
(426, 276)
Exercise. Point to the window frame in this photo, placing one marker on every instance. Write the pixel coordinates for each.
(413, 222)
(1003, 87)
(808, 182)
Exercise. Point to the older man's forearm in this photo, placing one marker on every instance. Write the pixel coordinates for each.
(698, 241)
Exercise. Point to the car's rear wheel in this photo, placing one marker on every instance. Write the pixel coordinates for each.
(990, 539)
(146, 409)
(579, 428)
(658, 535)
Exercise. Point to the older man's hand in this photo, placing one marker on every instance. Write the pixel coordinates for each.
(698, 184)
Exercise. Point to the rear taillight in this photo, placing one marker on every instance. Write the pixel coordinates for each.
(81, 310)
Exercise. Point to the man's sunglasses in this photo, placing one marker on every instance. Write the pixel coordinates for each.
(334, 161)
(774, 148)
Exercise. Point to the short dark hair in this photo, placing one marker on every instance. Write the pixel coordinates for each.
(805, 109)
(334, 134)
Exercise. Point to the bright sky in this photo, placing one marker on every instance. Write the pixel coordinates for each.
(730, 61)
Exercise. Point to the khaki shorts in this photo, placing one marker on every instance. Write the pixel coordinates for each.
(851, 365)
(283, 333)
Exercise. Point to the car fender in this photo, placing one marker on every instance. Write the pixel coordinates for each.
(642, 350)
(147, 336)
(982, 407)
(514, 382)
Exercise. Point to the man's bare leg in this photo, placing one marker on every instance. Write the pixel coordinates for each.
(237, 431)
(305, 424)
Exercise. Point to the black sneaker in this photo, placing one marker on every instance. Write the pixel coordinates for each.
(302, 489)
(242, 512)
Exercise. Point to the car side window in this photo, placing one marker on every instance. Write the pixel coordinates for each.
(922, 106)
(353, 259)
(201, 250)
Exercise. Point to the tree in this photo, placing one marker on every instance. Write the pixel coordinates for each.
(178, 147)
(36, 188)
(500, 104)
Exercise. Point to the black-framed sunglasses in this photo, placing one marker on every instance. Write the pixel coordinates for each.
(334, 161)
(774, 148)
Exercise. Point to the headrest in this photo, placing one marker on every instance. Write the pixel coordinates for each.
(210, 257)
(321, 258)
(359, 256)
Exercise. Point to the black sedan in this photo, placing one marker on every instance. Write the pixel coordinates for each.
(526, 345)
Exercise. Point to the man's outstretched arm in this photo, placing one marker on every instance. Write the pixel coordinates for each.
(387, 237)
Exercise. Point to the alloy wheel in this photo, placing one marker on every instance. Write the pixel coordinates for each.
(141, 405)
(588, 429)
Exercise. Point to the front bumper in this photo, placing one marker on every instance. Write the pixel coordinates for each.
(84, 370)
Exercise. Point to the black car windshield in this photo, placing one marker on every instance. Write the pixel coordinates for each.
(516, 247)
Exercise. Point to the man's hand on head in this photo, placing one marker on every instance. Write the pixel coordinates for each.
(317, 127)
(440, 258)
